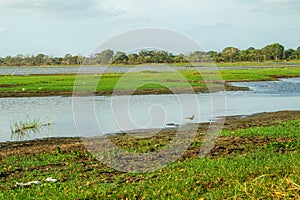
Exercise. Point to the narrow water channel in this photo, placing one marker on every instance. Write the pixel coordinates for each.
(145, 111)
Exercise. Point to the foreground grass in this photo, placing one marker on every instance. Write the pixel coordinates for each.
(266, 171)
(41, 84)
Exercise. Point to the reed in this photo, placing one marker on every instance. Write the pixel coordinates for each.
(20, 129)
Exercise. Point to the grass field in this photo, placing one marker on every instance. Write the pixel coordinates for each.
(255, 170)
(43, 84)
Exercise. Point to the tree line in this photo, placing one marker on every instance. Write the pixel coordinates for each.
(272, 52)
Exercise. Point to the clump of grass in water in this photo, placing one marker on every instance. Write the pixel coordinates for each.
(24, 128)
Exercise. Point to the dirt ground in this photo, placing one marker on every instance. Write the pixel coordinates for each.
(224, 145)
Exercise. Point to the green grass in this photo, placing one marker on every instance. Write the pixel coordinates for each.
(132, 81)
(284, 129)
(259, 74)
(262, 172)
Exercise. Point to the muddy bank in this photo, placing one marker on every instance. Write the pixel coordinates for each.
(224, 146)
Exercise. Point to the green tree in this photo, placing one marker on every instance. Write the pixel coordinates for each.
(214, 56)
(297, 53)
(289, 54)
(67, 60)
(242, 55)
(197, 56)
(179, 59)
(105, 57)
(39, 59)
(273, 52)
(230, 54)
(120, 58)
(132, 58)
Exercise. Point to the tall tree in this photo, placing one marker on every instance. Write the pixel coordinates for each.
(105, 57)
(289, 54)
(273, 52)
(120, 58)
(229, 54)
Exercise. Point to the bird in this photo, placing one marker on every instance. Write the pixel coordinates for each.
(190, 118)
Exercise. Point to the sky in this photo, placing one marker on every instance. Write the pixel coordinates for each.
(57, 27)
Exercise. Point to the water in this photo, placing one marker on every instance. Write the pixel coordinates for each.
(75, 69)
(103, 69)
(121, 113)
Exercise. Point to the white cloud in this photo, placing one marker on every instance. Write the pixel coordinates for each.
(1, 29)
(214, 23)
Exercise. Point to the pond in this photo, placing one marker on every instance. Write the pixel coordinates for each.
(123, 113)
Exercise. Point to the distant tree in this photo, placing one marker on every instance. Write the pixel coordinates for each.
(197, 56)
(105, 57)
(80, 60)
(145, 56)
(297, 53)
(18, 60)
(8, 60)
(162, 57)
(214, 56)
(67, 60)
(39, 59)
(132, 58)
(57, 61)
(289, 54)
(273, 52)
(2, 61)
(120, 58)
(242, 55)
(230, 54)
(28, 60)
(179, 59)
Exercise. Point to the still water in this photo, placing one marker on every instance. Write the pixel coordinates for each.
(123, 113)
(75, 69)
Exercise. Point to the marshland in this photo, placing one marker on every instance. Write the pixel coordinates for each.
(255, 156)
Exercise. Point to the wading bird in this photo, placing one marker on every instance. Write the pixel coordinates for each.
(190, 118)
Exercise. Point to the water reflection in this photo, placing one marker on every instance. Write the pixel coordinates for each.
(264, 97)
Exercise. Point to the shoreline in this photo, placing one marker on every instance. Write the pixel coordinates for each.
(260, 151)
(264, 119)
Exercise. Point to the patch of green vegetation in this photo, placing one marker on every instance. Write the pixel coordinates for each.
(36, 83)
(288, 129)
(259, 74)
(20, 129)
(131, 81)
(260, 173)
(283, 146)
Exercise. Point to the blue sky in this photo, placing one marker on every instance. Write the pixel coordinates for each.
(57, 27)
